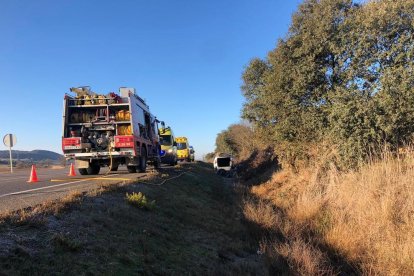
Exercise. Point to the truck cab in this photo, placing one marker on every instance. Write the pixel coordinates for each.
(168, 151)
(183, 149)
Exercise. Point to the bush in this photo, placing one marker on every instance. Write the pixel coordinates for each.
(140, 200)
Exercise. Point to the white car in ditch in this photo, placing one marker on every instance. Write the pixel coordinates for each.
(223, 164)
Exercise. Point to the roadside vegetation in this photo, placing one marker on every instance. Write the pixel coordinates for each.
(140, 200)
(323, 221)
(324, 149)
(341, 78)
(189, 224)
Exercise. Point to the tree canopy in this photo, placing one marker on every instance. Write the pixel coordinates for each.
(343, 75)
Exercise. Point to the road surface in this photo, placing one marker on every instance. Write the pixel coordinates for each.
(17, 193)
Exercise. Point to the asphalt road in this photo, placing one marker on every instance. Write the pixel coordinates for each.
(17, 193)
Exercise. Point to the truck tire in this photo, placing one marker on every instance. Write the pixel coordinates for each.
(143, 161)
(132, 169)
(157, 163)
(113, 168)
(83, 171)
(93, 168)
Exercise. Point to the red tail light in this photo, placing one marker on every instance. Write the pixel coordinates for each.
(124, 141)
(71, 143)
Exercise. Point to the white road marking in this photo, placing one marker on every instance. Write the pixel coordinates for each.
(14, 178)
(48, 187)
(18, 177)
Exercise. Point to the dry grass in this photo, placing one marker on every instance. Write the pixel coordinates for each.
(304, 258)
(373, 215)
(261, 214)
(365, 216)
(37, 215)
(55, 207)
(196, 229)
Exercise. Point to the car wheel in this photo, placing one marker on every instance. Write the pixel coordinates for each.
(157, 163)
(132, 169)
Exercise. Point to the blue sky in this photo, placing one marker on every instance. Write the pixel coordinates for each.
(185, 58)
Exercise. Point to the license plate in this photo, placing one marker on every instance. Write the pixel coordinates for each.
(72, 147)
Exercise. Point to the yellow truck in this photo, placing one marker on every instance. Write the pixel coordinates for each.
(168, 146)
(183, 149)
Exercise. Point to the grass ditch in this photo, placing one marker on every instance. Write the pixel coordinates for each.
(195, 226)
(320, 221)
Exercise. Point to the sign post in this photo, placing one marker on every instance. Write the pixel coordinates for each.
(10, 140)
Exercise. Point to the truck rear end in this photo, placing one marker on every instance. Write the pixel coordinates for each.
(109, 130)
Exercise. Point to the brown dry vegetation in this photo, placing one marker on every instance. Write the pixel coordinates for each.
(321, 221)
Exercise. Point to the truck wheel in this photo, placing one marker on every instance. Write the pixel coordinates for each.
(132, 169)
(93, 168)
(83, 171)
(113, 168)
(157, 163)
(143, 161)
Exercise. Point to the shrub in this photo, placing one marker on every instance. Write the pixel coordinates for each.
(140, 200)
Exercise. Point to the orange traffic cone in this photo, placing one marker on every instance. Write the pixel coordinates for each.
(72, 170)
(33, 175)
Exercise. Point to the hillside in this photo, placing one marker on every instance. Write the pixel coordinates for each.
(35, 155)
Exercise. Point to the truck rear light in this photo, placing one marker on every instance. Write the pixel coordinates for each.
(71, 143)
(124, 141)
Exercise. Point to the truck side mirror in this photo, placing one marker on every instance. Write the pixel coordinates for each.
(162, 127)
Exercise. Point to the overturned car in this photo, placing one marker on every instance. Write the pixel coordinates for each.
(223, 164)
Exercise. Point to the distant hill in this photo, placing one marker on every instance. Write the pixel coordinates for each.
(35, 155)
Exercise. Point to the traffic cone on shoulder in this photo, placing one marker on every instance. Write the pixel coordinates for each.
(72, 170)
(33, 175)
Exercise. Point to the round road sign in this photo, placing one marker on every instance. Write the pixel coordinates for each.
(9, 140)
